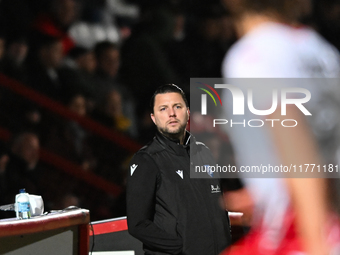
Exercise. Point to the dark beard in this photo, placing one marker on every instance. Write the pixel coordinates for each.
(175, 135)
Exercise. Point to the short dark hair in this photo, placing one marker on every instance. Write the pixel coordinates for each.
(167, 88)
(101, 47)
(45, 40)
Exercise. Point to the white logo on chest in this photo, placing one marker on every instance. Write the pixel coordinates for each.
(215, 189)
(133, 168)
(180, 173)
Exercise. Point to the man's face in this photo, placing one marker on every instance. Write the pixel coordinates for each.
(52, 55)
(78, 105)
(170, 114)
(110, 62)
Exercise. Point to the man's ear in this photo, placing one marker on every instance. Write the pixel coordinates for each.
(188, 111)
(153, 118)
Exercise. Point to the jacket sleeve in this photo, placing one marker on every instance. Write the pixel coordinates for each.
(141, 193)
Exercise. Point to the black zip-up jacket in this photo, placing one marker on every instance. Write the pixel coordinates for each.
(167, 210)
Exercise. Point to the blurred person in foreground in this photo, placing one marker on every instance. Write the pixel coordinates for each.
(291, 216)
(167, 210)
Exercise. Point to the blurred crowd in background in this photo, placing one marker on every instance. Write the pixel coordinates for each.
(103, 59)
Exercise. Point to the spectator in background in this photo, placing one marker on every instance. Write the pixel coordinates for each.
(77, 137)
(108, 63)
(15, 56)
(14, 66)
(111, 113)
(69, 139)
(209, 52)
(44, 74)
(22, 170)
(144, 54)
(56, 21)
(146, 62)
(175, 49)
(26, 146)
(201, 52)
(83, 61)
(47, 75)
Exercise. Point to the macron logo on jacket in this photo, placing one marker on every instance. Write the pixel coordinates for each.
(180, 173)
(133, 168)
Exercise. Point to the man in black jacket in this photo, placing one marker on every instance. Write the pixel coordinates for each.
(167, 210)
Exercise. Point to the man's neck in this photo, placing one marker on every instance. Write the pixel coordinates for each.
(176, 138)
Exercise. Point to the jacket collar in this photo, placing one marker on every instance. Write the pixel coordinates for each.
(174, 145)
